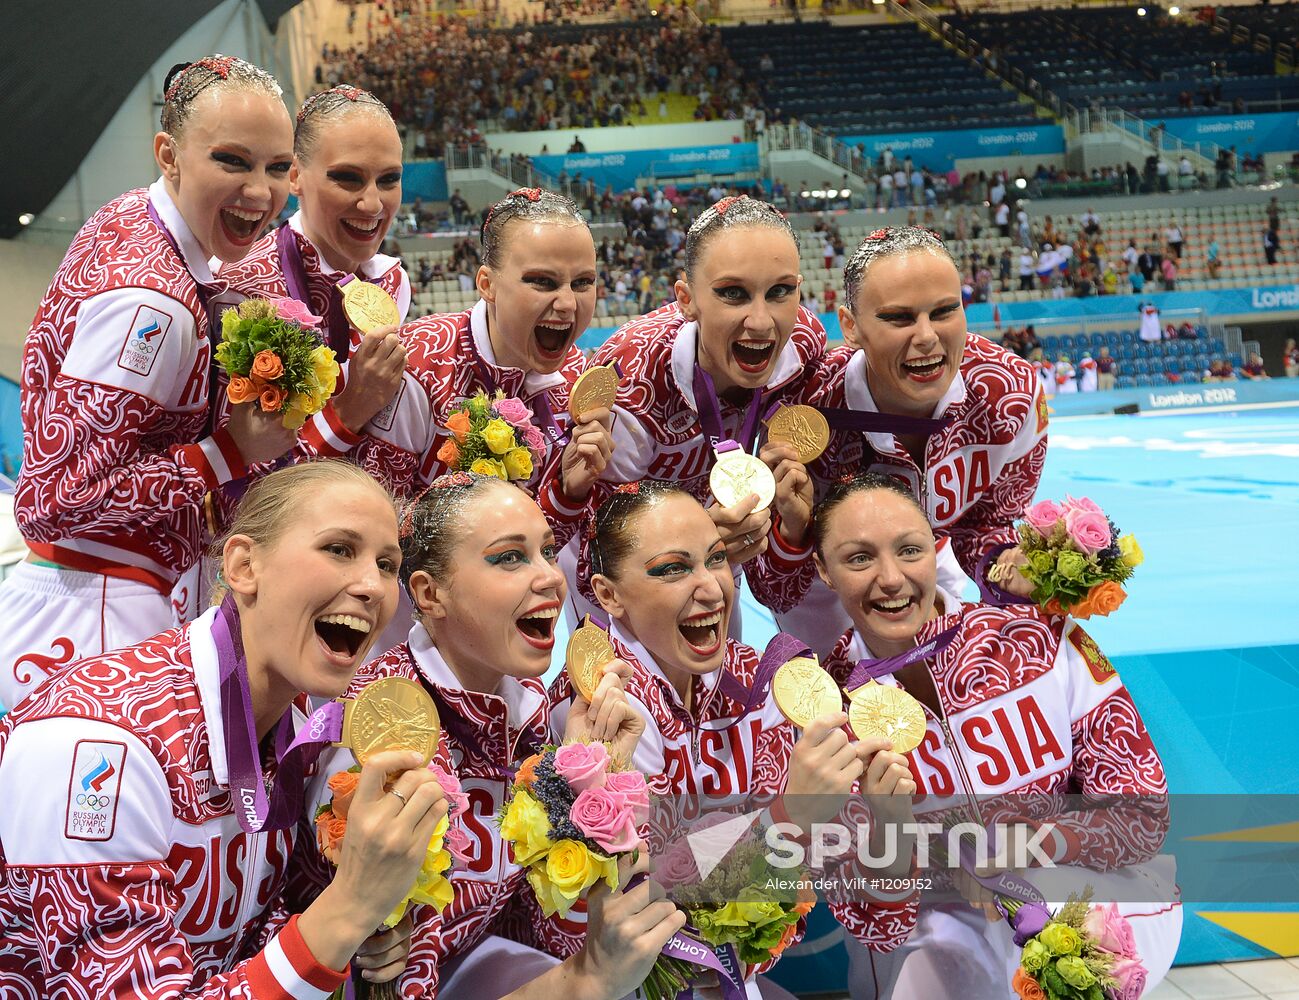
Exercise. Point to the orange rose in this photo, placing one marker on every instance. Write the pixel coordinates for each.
(449, 453)
(267, 365)
(785, 940)
(343, 785)
(240, 390)
(526, 774)
(330, 830)
(1026, 987)
(1053, 607)
(272, 397)
(458, 424)
(1106, 597)
(1084, 609)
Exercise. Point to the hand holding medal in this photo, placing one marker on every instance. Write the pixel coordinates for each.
(744, 488)
(804, 691)
(590, 446)
(598, 677)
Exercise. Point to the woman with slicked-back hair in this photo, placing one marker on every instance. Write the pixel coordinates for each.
(120, 447)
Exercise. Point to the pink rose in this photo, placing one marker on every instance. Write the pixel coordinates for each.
(603, 816)
(582, 765)
(1043, 516)
(676, 867)
(635, 793)
(457, 843)
(1088, 530)
(1111, 930)
(535, 440)
(1131, 977)
(450, 784)
(295, 312)
(1081, 503)
(514, 411)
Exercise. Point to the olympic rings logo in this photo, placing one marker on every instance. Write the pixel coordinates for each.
(95, 802)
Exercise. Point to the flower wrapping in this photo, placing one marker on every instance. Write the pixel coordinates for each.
(1077, 559)
(493, 436)
(274, 358)
(1083, 952)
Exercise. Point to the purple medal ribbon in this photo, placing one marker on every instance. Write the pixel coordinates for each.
(710, 413)
(295, 280)
(992, 593)
(538, 404)
(844, 419)
(254, 809)
(1004, 884)
(869, 669)
(782, 648)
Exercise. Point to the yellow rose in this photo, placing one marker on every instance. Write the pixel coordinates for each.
(551, 901)
(489, 467)
(499, 436)
(324, 368)
(294, 418)
(1130, 552)
(1061, 939)
(571, 869)
(527, 827)
(518, 463)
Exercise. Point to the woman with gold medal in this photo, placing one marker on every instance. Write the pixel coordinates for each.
(479, 566)
(155, 792)
(716, 735)
(1002, 710)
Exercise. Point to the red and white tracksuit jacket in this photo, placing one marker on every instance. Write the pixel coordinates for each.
(116, 456)
(123, 869)
(979, 475)
(444, 354)
(657, 433)
(492, 895)
(261, 275)
(1032, 711)
(693, 770)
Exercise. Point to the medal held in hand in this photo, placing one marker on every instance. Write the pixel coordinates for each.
(737, 474)
(589, 649)
(596, 387)
(805, 691)
(803, 427)
(368, 307)
(883, 710)
(391, 714)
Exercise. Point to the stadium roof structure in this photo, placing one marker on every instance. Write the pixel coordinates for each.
(66, 66)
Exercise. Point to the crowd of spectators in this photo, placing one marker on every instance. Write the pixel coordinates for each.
(448, 83)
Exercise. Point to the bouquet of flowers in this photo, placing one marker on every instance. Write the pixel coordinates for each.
(571, 814)
(493, 436)
(432, 886)
(273, 356)
(1077, 558)
(1080, 953)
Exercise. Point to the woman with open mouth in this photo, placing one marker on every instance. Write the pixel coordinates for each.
(662, 577)
(478, 561)
(1021, 709)
(346, 175)
(537, 288)
(120, 449)
(967, 423)
(154, 797)
(708, 366)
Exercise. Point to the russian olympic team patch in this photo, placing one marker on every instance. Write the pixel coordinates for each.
(1043, 411)
(1097, 662)
(93, 790)
(144, 340)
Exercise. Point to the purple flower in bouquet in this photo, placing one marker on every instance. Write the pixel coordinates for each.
(1028, 921)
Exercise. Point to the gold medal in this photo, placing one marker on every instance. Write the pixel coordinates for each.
(589, 649)
(804, 427)
(368, 306)
(883, 710)
(391, 714)
(596, 387)
(805, 691)
(737, 474)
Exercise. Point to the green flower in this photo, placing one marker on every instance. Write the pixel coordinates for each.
(1075, 972)
(1071, 565)
(1034, 957)
(1061, 939)
(1041, 563)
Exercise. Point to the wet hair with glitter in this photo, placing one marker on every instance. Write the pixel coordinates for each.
(431, 525)
(888, 242)
(319, 108)
(529, 205)
(185, 82)
(610, 533)
(731, 213)
(842, 489)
